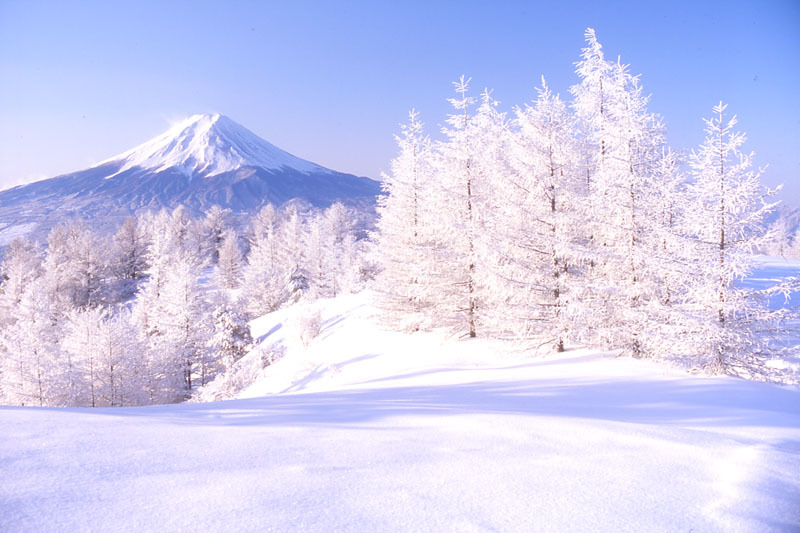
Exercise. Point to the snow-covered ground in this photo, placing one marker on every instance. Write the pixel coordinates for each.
(369, 430)
(770, 271)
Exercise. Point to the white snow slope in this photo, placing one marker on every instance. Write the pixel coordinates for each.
(369, 430)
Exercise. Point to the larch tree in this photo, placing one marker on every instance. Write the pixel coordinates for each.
(229, 264)
(129, 252)
(459, 207)
(103, 347)
(292, 254)
(184, 321)
(543, 200)
(216, 224)
(230, 337)
(75, 268)
(31, 366)
(727, 218)
(338, 225)
(406, 238)
(623, 143)
(21, 265)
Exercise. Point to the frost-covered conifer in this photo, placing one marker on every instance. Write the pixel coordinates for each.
(460, 209)
(183, 324)
(230, 338)
(540, 209)
(727, 218)
(216, 224)
(229, 262)
(21, 265)
(75, 268)
(406, 243)
(264, 223)
(623, 143)
(31, 361)
(338, 223)
(482, 154)
(129, 252)
(105, 359)
(264, 287)
(317, 250)
(293, 254)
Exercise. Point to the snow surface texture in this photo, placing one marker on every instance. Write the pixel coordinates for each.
(371, 430)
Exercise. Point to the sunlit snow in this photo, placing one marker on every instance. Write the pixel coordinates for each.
(370, 430)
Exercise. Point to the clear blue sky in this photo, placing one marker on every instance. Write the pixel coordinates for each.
(81, 81)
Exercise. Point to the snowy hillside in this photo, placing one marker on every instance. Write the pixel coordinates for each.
(203, 161)
(369, 430)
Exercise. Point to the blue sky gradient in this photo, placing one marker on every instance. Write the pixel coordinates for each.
(331, 81)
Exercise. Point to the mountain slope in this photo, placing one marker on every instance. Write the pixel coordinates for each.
(204, 160)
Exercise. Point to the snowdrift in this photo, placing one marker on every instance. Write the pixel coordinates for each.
(365, 430)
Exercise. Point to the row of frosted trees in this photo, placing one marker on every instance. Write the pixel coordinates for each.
(569, 223)
(148, 316)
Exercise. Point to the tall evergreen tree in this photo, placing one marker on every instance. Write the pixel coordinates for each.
(406, 238)
(727, 218)
(543, 209)
(460, 209)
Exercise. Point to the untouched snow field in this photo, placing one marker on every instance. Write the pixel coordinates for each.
(368, 430)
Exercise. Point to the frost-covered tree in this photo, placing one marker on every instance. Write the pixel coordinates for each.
(292, 254)
(623, 143)
(106, 359)
(342, 254)
(230, 338)
(21, 265)
(590, 103)
(129, 252)
(459, 206)
(161, 251)
(169, 310)
(31, 361)
(265, 278)
(121, 361)
(180, 227)
(264, 223)
(229, 262)
(326, 250)
(482, 151)
(317, 251)
(405, 235)
(336, 225)
(727, 218)
(75, 268)
(183, 324)
(81, 349)
(216, 224)
(535, 210)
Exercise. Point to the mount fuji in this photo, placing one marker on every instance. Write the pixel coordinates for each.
(202, 161)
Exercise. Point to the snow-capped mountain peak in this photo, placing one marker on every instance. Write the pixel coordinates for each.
(208, 145)
(202, 161)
